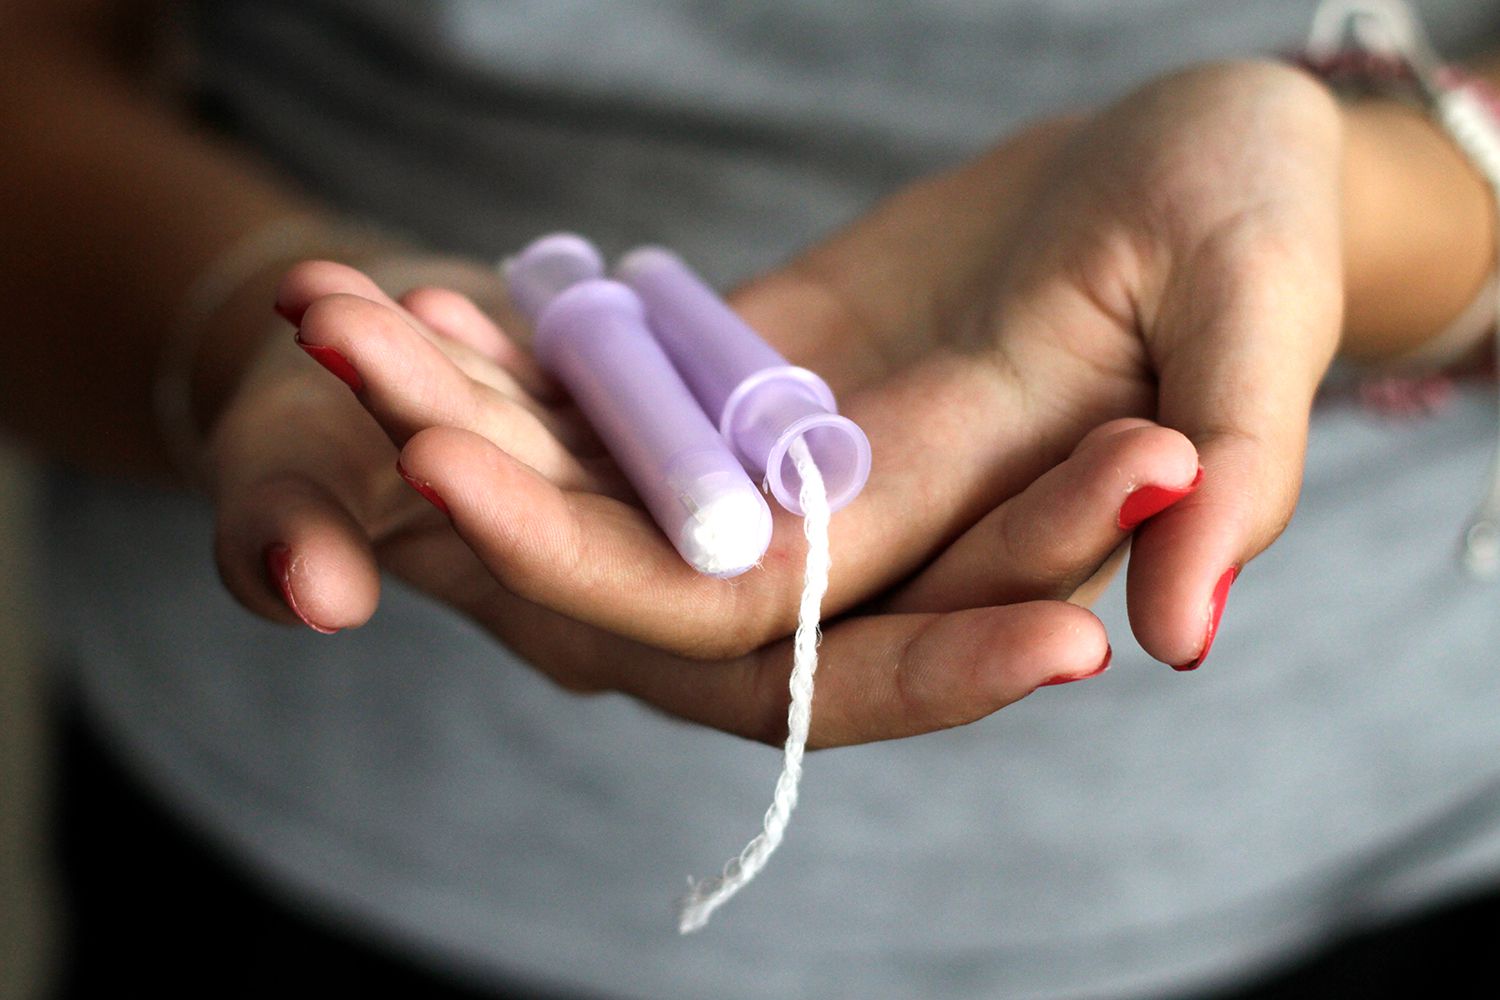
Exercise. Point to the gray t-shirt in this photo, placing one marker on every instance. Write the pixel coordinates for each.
(1335, 762)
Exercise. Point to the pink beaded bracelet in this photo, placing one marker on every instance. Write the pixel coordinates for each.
(1378, 48)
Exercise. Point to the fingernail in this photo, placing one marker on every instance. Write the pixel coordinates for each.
(334, 362)
(1215, 612)
(1151, 500)
(1062, 679)
(285, 313)
(425, 489)
(279, 566)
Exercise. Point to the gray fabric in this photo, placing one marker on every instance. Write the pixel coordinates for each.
(735, 132)
(1335, 761)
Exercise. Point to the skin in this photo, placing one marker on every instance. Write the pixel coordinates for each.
(1095, 305)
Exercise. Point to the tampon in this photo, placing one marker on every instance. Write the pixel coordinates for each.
(759, 401)
(590, 333)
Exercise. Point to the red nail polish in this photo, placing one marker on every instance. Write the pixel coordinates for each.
(279, 567)
(1151, 500)
(334, 362)
(1061, 679)
(1215, 612)
(286, 313)
(425, 489)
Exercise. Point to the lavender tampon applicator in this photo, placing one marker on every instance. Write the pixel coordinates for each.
(760, 402)
(591, 335)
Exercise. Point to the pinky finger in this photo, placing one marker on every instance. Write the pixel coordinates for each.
(455, 316)
(288, 550)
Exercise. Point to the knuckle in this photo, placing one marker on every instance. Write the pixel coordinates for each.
(732, 643)
(929, 700)
(1046, 561)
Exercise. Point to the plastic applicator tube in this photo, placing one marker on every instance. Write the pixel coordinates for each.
(760, 402)
(591, 335)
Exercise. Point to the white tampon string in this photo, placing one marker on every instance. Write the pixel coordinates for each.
(707, 895)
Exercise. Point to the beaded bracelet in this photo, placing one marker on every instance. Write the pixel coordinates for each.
(1378, 48)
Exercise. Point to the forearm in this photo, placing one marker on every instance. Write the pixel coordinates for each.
(117, 205)
(1419, 224)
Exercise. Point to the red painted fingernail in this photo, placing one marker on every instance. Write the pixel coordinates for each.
(1215, 612)
(286, 313)
(279, 567)
(334, 362)
(425, 489)
(1149, 501)
(1054, 681)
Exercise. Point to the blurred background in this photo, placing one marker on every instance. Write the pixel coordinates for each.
(25, 906)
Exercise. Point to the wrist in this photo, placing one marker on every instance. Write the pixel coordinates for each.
(1418, 224)
(226, 315)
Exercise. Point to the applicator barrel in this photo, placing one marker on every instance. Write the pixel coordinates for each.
(760, 403)
(591, 335)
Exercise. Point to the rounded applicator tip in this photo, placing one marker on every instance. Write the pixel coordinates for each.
(547, 267)
(644, 259)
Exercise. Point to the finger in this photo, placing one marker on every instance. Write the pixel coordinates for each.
(455, 316)
(591, 557)
(893, 676)
(294, 511)
(406, 383)
(1048, 540)
(879, 677)
(950, 443)
(1241, 362)
(606, 563)
(312, 280)
(882, 677)
(317, 564)
(467, 338)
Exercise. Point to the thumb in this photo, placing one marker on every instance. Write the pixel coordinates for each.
(1243, 337)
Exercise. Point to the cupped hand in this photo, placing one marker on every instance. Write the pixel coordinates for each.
(1176, 257)
(447, 387)
(304, 483)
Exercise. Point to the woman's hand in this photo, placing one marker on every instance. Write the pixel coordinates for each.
(1175, 258)
(1182, 261)
(310, 505)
